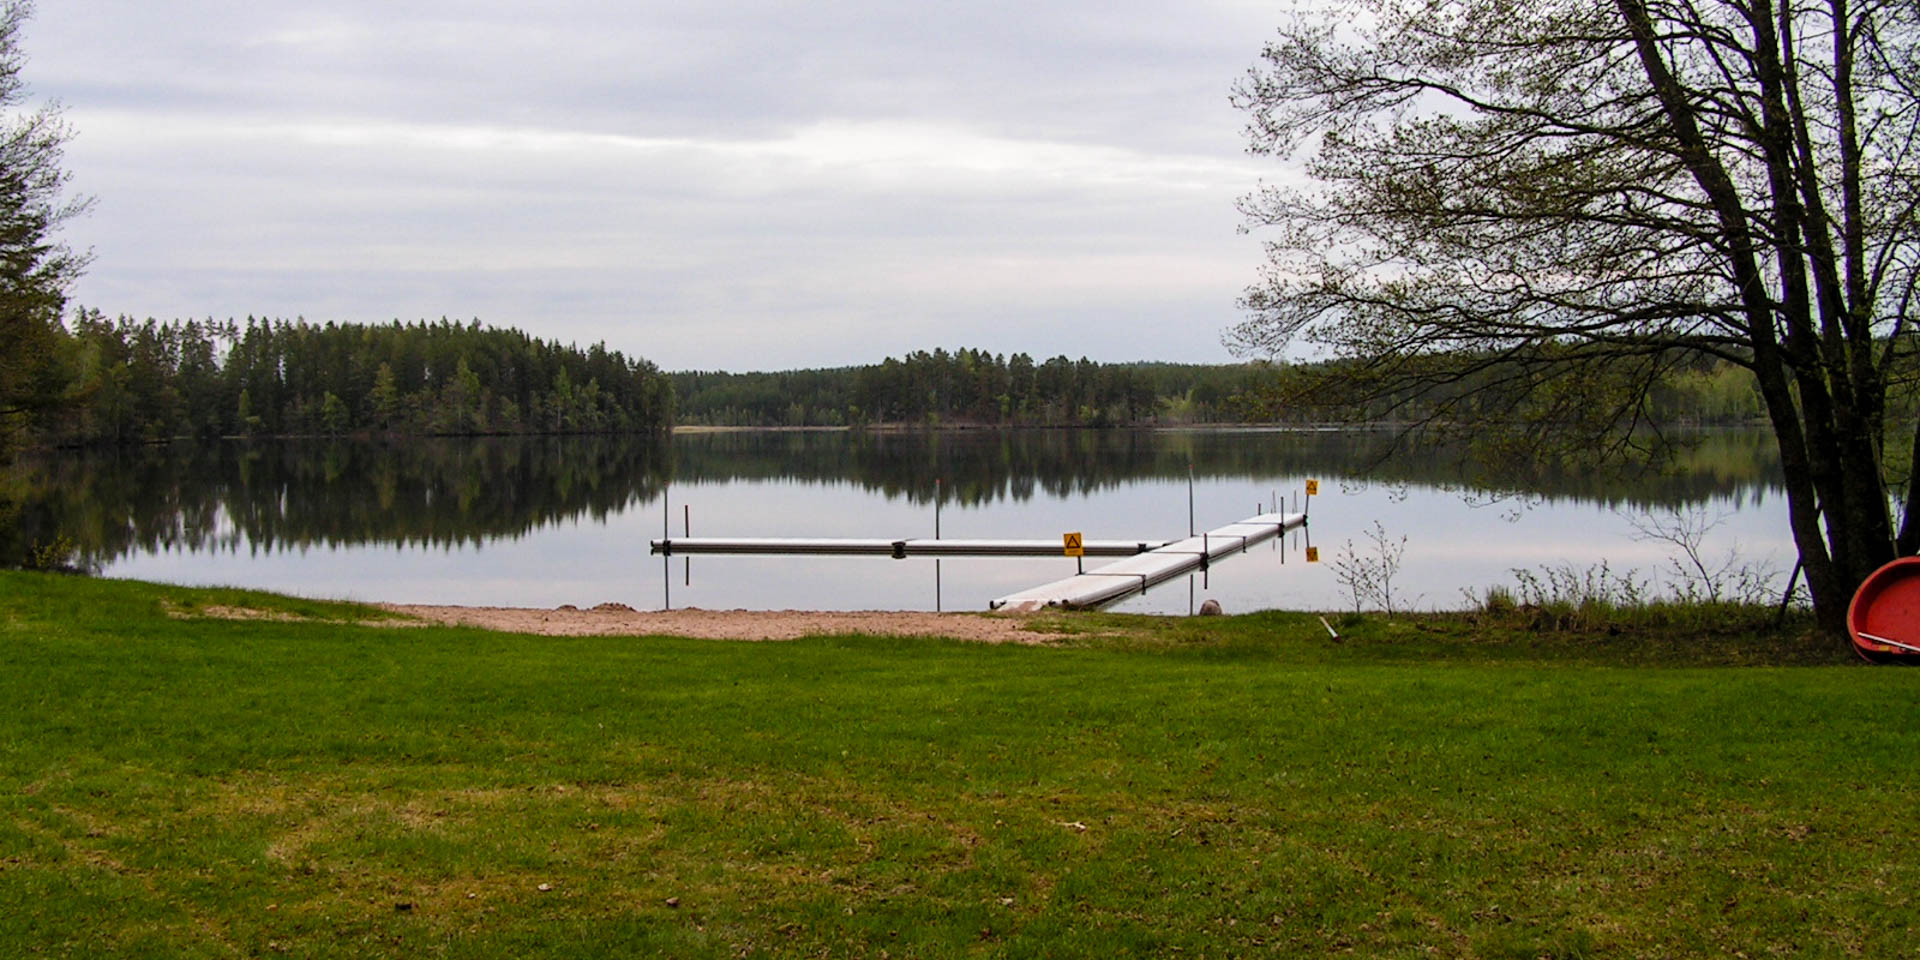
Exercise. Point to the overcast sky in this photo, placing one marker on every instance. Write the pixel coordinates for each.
(733, 185)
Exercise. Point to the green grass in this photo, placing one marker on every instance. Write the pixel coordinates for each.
(193, 787)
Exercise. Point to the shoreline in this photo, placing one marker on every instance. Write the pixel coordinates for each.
(616, 619)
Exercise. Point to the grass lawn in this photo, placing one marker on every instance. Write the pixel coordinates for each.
(181, 786)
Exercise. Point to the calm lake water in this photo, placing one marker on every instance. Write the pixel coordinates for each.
(549, 521)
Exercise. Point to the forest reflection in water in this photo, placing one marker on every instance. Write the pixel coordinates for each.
(539, 520)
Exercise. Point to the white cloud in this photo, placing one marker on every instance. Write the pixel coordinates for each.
(821, 186)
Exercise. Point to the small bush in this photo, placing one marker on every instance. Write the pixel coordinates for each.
(1368, 578)
(53, 556)
(1497, 602)
(1598, 600)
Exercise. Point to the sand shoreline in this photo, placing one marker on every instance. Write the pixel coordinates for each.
(620, 620)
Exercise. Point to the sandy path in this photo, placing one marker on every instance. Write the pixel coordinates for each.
(619, 619)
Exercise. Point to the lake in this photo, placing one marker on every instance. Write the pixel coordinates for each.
(550, 521)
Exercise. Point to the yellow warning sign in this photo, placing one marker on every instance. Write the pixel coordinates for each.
(1313, 554)
(1075, 546)
(1313, 488)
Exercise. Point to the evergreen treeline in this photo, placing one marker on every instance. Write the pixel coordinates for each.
(974, 387)
(134, 381)
(1346, 392)
(970, 387)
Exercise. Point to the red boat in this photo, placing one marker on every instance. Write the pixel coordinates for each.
(1884, 618)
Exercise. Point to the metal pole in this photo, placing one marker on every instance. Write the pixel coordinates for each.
(1189, 498)
(686, 530)
(666, 559)
(939, 494)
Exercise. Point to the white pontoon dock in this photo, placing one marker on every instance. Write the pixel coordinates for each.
(1146, 564)
(1115, 581)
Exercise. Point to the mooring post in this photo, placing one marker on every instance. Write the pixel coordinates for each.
(1189, 498)
(939, 494)
(666, 540)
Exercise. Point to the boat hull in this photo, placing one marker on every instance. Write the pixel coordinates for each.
(1884, 618)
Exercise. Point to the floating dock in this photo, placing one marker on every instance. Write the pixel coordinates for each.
(1147, 564)
(897, 549)
(1116, 581)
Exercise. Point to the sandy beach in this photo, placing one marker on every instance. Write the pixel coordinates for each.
(613, 619)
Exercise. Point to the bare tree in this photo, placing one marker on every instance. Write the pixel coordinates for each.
(1523, 215)
(1699, 575)
(1368, 577)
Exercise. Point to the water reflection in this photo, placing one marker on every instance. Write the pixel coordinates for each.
(549, 520)
(987, 466)
(262, 497)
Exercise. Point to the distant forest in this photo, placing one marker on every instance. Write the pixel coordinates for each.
(971, 387)
(129, 381)
(974, 387)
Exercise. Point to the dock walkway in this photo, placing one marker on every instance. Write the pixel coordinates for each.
(1115, 581)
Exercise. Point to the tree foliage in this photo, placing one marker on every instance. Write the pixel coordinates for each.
(1559, 203)
(973, 387)
(137, 381)
(35, 268)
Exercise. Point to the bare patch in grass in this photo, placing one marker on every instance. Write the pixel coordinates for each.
(217, 611)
